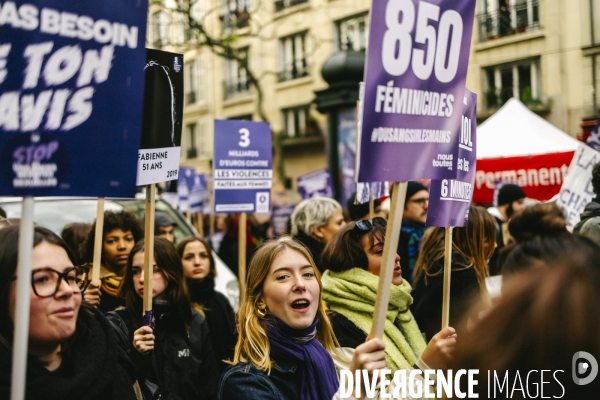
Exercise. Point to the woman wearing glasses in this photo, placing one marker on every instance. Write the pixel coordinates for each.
(175, 359)
(353, 260)
(472, 247)
(73, 353)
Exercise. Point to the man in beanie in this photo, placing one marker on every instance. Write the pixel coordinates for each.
(511, 200)
(361, 211)
(590, 217)
(164, 226)
(413, 227)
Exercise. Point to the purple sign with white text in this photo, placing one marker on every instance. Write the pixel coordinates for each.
(315, 184)
(415, 76)
(449, 199)
(242, 166)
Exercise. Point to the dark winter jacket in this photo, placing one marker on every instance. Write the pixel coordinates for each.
(314, 246)
(219, 317)
(93, 366)
(589, 225)
(428, 297)
(183, 366)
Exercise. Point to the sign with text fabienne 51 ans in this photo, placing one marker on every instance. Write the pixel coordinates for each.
(71, 85)
(242, 166)
(415, 76)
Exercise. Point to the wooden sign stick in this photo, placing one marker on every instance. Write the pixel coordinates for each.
(371, 203)
(149, 248)
(200, 227)
(242, 255)
(98, 242)
(388, 259)
(447, 270)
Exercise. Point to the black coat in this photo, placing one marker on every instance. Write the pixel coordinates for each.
(93, 367)
(219, 317)
(427, 298)
(183, 366)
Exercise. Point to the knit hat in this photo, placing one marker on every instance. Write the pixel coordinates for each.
(358, 211)
(509, 193)
(414, 187)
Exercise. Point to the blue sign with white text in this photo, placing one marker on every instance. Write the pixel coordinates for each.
(71, 95)
(242, 166)
(198, 196)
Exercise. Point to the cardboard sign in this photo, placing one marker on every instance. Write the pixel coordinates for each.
(415, 76)
(71, 97)
(242, 166)
(158, 157)
(450, 199)
(315, 184)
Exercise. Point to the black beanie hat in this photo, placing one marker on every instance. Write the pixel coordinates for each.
(162, 219)
(509, 193)
(414, 187)
(357, 211)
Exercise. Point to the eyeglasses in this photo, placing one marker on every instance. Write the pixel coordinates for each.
(365, 225)
(46, 281)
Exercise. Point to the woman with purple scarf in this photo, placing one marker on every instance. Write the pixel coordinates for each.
(285, 338)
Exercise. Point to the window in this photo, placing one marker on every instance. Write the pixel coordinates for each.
(159, 29)
(353, 32)
(236, 81)
(197, 12)
(204, 146)
(190, 83)
(236, 14)
(192, 151)
(281, 5)
(294, 56)
(507, 17)
(297, 122)
(519, 79)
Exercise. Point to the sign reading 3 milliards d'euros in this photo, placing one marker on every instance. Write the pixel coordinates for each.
(70, 96)
(158, 158)
(414, 82)
(242, 166)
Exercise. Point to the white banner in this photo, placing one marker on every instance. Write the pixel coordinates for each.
(157, 165)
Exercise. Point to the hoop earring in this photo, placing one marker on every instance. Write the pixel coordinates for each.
(262, 313)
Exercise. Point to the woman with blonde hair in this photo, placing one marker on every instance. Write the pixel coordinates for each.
(285, 338)
(472, 247)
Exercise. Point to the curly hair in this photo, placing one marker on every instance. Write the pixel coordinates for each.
(124, 220)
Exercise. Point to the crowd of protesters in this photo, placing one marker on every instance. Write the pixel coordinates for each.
(308, 304)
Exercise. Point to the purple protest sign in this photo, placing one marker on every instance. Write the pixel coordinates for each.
(280, 217)
(415, 77)
(449, 199)
(198, 196)
(184, 180)
(315, 184)
(242, 166)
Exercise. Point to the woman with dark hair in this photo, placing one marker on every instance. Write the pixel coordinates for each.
(545, 319)
(472, 246)
(74, 235)
(120, 232)
(353, 260)
(176, 356)
(73, 351)
(199, 271)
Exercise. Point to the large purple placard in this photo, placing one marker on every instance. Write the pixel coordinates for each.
(449, 199)
(315, 184)
(415, 77)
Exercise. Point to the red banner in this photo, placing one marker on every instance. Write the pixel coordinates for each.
(540, 176)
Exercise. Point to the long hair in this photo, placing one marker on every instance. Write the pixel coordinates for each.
(344, 252)
(124, 220)
(9, 237)
(253, 344)
(176, 293)
(181, 248)
(474, 242)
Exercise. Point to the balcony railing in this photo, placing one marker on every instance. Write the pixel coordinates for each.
(233, 89)
(281, 5)
(295, 71)
(505, 22)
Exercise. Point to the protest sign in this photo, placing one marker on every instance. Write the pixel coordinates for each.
(315, 184)
(198, 194)
(242, 166)
(577, 191)
(183, 187)
(415, 76)
(71, 97)
(280, 218)
(160, 146)
(449, 199)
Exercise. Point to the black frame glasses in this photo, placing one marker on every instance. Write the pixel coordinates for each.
(365, 225)
(81, 279)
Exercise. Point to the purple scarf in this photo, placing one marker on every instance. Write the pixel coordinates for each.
(318, 376)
